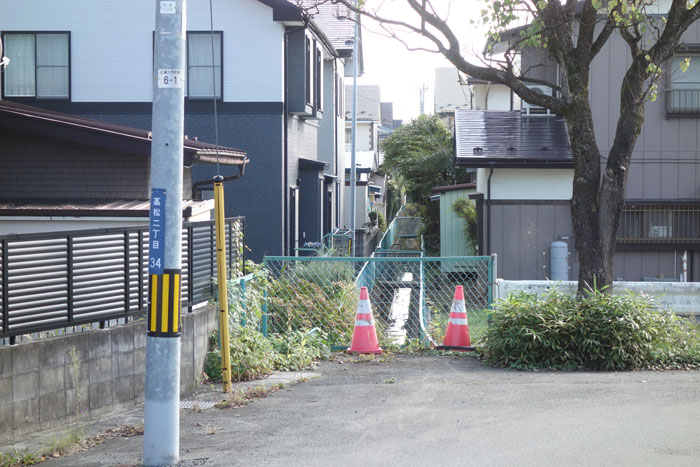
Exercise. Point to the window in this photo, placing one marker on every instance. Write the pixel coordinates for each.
(39, 65)
(309, 73)
(683, 93)
(318, 75)
(203, 76)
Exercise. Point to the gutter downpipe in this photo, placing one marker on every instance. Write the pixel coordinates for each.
(488, 213)
(337, 189)
(353, 168)
(285, 153)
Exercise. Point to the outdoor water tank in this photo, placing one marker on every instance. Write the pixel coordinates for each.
(559, 261)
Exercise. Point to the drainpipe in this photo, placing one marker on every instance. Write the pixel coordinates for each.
(488, 213)
(285, 153)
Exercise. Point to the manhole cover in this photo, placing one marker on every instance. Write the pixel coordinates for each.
(191, 404)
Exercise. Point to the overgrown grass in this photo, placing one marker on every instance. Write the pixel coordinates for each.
(600, 332)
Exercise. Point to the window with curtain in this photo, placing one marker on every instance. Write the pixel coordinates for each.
(203, 74)
(39, 65)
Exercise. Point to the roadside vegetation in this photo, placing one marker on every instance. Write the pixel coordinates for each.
(598, 331)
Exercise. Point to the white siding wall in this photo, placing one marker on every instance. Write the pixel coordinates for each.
(112, 45)
(494, 97)
(530, 183)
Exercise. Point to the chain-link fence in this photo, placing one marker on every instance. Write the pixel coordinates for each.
(410, 296)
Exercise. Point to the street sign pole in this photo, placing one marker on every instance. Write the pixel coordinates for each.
(162, 399)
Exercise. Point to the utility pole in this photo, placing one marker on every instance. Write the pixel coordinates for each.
(161, 442)
(423, 89)
(353, 168)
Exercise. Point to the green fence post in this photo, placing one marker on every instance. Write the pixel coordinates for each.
(264, 307)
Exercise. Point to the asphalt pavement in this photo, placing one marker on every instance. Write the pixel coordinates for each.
(417, 410)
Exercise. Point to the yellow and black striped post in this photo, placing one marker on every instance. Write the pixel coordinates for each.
(222, 282)
(165, 306)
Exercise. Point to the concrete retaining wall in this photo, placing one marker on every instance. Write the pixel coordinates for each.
(54, 381)
(680, 297)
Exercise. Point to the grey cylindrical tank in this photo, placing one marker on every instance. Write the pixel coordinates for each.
(559, 261)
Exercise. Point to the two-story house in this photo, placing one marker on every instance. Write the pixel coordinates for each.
(370, 185)
(455, 92)
(526, 184)
(275, 76)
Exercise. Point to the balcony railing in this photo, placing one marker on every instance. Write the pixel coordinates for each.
(660, 225)
(683, 101)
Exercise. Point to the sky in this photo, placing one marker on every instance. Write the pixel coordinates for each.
(401, 73)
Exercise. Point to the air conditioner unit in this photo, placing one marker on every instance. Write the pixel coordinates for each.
(531, 110)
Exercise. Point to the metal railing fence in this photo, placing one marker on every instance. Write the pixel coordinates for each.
(57, 280)
(410, 296)
(656, 224)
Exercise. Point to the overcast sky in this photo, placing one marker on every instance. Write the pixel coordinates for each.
(400, 72)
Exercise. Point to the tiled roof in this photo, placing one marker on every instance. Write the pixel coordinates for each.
(490, 138)
(368, 103)
(333, 20)
(21, 117)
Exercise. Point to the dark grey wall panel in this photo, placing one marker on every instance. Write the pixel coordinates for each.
(33, 167)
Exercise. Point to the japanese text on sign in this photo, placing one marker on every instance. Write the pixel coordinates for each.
(171, 79)
(156, 246)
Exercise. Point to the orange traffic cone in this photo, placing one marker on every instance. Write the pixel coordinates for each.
(457, 334)
(364, 336)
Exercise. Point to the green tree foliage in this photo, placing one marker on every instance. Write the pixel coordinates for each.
(419, 157)
(465, 209)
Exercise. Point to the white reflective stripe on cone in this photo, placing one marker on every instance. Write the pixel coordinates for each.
(462, 322)
(362, 322)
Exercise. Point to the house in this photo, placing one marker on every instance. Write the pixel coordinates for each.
(659, 234)
(277, 84)
(455, 92)
(371, 182)
(59, 172)
(524, 180)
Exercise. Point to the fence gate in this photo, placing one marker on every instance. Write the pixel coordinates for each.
(411, 297)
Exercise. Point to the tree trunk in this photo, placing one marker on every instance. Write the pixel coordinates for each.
(599, 196)
(594, 246)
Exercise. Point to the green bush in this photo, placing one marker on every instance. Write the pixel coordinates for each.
(252, 355)
(315, 295)
(600, 331)
(298, 350)
(212, 365)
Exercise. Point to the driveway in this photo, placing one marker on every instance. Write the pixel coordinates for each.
(416, 410)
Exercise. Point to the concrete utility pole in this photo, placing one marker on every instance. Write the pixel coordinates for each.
(161, 442)
(353, 168)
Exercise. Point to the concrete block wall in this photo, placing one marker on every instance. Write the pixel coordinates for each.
(50, 382)
(681, 297)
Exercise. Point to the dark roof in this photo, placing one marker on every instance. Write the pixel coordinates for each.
(489, 138)
(44, 122)
(461, 186)
(282, 10)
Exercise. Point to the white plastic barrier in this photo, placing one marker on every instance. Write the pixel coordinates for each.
(681, 297)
